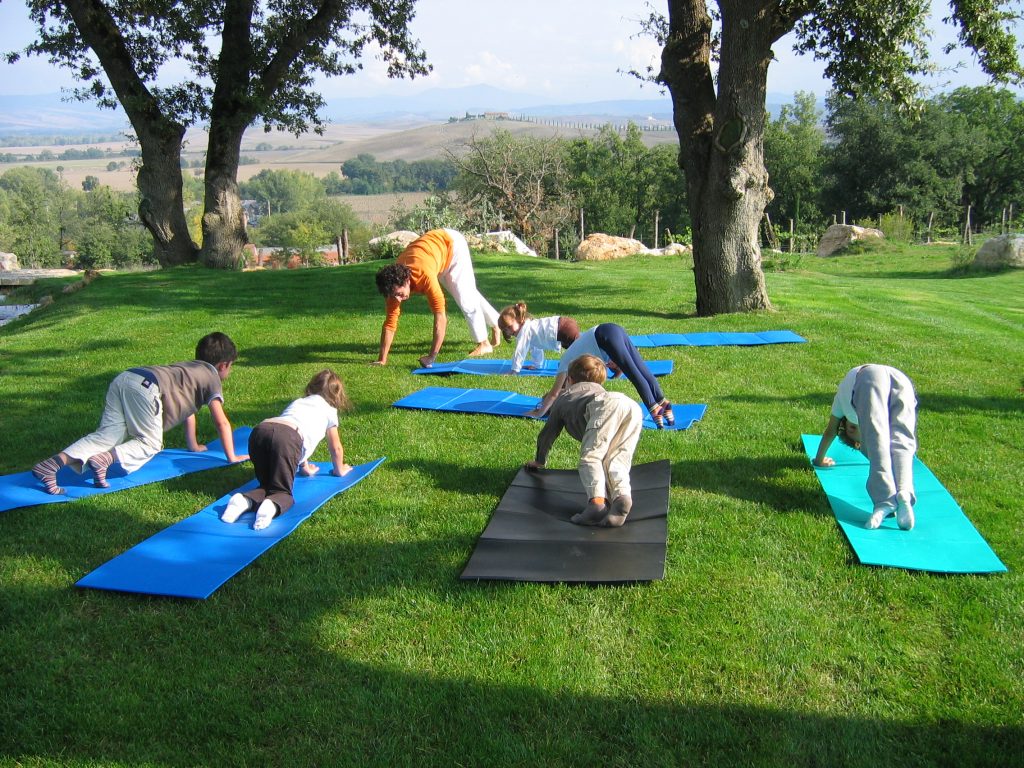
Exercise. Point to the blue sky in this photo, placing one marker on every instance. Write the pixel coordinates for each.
(563, 50)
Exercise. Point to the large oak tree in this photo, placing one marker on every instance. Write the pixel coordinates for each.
(246, 62)
(868, 46)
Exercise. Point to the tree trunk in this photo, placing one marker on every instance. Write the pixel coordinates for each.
(721, 148)
(161, 206)
(224, 223)
(232, 109)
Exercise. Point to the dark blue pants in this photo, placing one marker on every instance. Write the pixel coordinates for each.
(616, 343)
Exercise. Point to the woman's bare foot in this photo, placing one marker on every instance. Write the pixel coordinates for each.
(483, 348)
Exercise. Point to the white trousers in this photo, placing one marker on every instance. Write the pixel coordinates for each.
(606, 452)
(886, 407)
(132, 422)
(460, 282)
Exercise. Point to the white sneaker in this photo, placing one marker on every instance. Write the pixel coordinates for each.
(264, 515)
(904, 513)
(237, 506)
(881, 512)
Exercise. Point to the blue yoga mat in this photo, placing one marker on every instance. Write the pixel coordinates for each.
(500, 367)
(495, 402)
(194, 557)
(942, 540)
(23, 490)
(712, 339)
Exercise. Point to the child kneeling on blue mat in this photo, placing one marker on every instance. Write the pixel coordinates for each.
(608, 426)
(282, 445)
(875, 412)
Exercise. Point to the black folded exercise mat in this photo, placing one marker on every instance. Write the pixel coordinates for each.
(530, 538)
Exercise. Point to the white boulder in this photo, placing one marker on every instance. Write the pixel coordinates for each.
(600, 247)
(1000, 252)
(401, 238)
(839, 236)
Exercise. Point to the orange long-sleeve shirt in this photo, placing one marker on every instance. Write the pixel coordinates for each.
(426, 257)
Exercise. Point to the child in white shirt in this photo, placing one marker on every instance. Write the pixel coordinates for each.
(281, 445)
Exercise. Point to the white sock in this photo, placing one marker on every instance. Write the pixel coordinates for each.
(237, 506)
(264, 514)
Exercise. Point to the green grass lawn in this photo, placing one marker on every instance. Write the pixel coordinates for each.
(352, 642)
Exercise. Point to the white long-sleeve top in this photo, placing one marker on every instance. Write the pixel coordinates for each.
(536, 335)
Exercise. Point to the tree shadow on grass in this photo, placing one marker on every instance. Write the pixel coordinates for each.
(180, 683)
(760, 479)
(449, 476)
(926, 401)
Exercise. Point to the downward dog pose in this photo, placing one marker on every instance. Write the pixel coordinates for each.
(611, 343)
(608, 425)
(142, 404)
(437, 258)
(534, 335)
(875, 411)
(282, 444)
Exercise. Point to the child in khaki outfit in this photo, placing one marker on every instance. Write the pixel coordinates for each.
(608, 425)
(142, 404)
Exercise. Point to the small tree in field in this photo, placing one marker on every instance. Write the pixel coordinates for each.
(523, 179)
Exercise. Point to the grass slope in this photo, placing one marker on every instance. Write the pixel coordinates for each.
(354, 643)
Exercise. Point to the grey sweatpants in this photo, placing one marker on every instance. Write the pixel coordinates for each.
(886, 407)
(614, 422)
(132, 422)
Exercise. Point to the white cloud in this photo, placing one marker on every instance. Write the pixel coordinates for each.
(492, 70)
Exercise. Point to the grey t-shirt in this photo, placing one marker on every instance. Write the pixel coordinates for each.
(185, 388)
(569, 412)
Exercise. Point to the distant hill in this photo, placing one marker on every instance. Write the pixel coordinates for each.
(51, 114)
(433, 140)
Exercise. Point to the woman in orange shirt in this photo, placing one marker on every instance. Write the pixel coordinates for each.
(436, 258)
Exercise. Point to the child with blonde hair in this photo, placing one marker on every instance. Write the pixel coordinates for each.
(282, 445)
(608, 426)
(535, 335)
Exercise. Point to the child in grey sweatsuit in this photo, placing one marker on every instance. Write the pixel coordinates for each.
(875, 411)
(608, 425)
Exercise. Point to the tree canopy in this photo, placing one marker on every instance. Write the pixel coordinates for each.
(262, 71)
(870, 47)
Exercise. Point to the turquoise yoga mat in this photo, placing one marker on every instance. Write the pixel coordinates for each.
(943, 540)
(23, 490)
(195, 556)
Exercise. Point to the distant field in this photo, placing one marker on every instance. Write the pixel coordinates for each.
(377, 209)
(320, 155)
